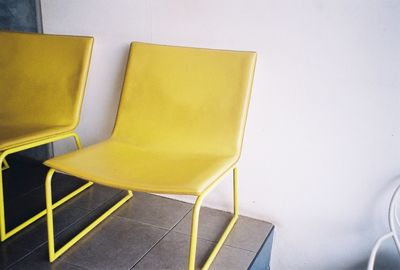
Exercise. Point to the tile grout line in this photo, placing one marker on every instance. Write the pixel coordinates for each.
(21, 259)
(141, 222)
(31, 191)
(208, 240)
(42, 186)
(168, 231)
(83, 268)
(215, 242)
(93, 209)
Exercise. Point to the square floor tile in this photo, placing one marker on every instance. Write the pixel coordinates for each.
(36, 234)
(94, 196)
(10, 255)
(39, 260)
(23, 176)
(24, 206)
(117, 243)
(154, 210)
(230, 258)
(248, 234)
(172, 253)
(212, 223)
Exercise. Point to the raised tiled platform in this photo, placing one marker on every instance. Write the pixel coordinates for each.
(148, 232)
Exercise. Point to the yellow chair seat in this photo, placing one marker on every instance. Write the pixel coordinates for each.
(120, 165)
(15, 135)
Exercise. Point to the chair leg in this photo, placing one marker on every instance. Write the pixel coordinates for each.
(2, 215)
(53, 254)
(193, 237)
(195, 223)
(3, 233)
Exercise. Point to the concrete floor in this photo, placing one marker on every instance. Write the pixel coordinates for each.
(148, 232)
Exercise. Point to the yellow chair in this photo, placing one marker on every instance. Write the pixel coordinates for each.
(42, 82)
(179, 130)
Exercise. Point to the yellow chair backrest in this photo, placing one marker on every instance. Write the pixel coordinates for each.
(42, 78)
(185, 100)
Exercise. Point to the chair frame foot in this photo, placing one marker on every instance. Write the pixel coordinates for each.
(3, 233)
(195, 223)
(53, 254)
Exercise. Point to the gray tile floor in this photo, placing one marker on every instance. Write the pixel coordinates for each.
(147, 232)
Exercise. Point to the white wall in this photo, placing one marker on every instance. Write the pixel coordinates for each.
(322, 147)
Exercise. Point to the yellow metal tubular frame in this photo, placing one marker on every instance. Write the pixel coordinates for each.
(195, 223)
(3, 234)
(53, 255)
(5, 165)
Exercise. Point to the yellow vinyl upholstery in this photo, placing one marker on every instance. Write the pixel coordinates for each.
(120, 165)
(180, 123)
(179, 130)
(42, 82)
